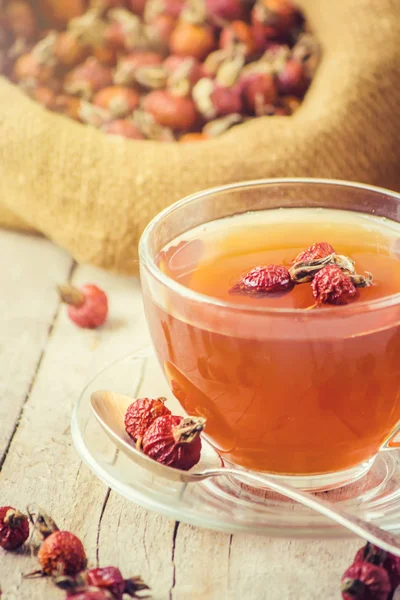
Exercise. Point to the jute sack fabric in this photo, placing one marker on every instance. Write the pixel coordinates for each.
(94, 194)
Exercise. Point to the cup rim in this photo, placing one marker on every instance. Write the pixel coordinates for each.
(146, 260)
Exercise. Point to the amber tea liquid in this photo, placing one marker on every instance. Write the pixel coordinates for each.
(284, 392)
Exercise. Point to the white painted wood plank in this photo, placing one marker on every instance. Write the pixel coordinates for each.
(42, 464)
(139, 542)
(30, 268)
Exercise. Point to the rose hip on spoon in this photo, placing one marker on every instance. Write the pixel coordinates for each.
(109, 409)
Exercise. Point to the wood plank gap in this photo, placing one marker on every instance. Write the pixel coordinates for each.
(3, 457)
(103, 508)
(175, 533)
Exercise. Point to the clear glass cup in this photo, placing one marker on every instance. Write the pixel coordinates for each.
(336, 373)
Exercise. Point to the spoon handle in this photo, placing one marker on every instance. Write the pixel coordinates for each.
(372, 533)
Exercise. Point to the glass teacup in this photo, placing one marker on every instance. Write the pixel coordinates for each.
(308, 395)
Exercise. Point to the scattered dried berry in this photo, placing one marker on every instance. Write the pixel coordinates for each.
(265, 279)
(62, 553)
(108, 578)
(365, 581)
(141, 414)
(331, 285)
(14, 528)
(87, 307)
(372, 554)
(174, 441)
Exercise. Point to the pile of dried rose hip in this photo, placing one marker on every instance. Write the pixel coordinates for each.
(62, 556)
(171, 440)
(374, 575)
(333, 276)
(160, 69)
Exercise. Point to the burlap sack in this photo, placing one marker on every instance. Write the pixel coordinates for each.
(94, 194)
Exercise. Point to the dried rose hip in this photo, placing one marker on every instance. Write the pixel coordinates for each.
(59, 13)
(69, 51)
(27, 67)
(372, 554)
(238, 35)
(315, 252)
(114, 36)
(88, 78)
(104, 583)
(14, 528)
(119, 100)
(62, 553)
(259, 91)
(108, 578)
(365, 581)
(44, 96)
(290, 80)
(21, 19)
(68, 105)
(189, 39)
(174, 441)
(123, 128)
(105, 55)
(87, 307)
(137, 6)
(160, 30)
(265, 279)
(332, 286)
(183, 67)
(224, 10)
(129, 65)
(275, 16)
(176, 112)
(141, 414)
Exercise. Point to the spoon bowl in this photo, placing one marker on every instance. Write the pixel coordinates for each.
(109, 409)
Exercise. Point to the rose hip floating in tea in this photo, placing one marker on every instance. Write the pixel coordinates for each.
(128, 58)
(267, 279)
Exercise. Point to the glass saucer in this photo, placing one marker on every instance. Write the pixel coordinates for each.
(224, 503)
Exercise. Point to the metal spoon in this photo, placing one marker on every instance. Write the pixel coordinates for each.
(109, 409)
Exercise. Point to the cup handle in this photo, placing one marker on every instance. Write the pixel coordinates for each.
(392, 443)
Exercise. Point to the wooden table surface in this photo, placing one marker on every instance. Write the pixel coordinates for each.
(45, 362)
